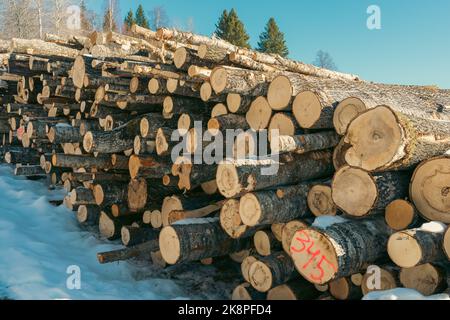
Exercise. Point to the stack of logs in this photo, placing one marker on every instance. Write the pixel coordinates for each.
(97, 115)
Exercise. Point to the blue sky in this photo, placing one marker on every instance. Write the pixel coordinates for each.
(412, 47)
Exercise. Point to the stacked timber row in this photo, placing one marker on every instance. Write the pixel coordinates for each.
(322, 192)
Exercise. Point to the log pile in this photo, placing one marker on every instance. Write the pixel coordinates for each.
(119, 122)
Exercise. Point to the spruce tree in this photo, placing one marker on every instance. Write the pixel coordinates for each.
(85, 22)
(272, 40)
(129, 21)
(109, 23)
(141, 19)
(231, 29)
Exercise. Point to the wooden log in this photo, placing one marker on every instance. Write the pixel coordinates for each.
(339, 154)
(143, 193)
(150, 124)
(339, 251)
(219, 110)
(227, 122)
(410, 248)
(140, 251)
(101, 162)
(446, 244)
(266, 243)
(401, 215)
(149, 167)
(198, 72)
(259, 114)
(242, 81)
(42, 48)
(240, 177)
(187, 121)
(430, 189)
(132, 236)
(245, 292)
(180, 215)
(269, 272)
(177, 242)
(290, 229)
(144, 146)
(231, 222)
(88, 215)
(298, 289)
(239, 104)
(185, 57)
(192, 175)
(164, 141)
(110, 228)
(277, 229)
(305, 143)
(380, 278)
(371, 193)
(428, 279)
(320, 200)
(82, 196)
(404, 140)
(275, 206)
(64, 133)
(29, 171)
(106, 194)
(23, 156)
(344, 289)
(208, 95)
(178, 105)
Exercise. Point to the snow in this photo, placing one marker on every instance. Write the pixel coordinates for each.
(403, 294)
(434, 227)
(39, 242)
(324, 222)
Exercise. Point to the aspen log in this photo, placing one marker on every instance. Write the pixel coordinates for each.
(320, 200)
(140, 251)
(305, 143)
(380, 278)
(401, 215)
(245, 292)
(298, 289)
(344, 289)
(132, 236)
(428, 279)
(88, 215)
(265, 243)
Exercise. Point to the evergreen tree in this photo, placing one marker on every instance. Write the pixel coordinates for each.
(141, 19)
(272, 40)
(85, 22)
(231, 29)
(129, 21)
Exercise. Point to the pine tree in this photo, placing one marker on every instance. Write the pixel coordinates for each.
(231, 29)
(85, 22)
(141, 19)
(129, 21)
(272, 40)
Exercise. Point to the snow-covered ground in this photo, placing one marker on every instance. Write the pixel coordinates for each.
(39, 242)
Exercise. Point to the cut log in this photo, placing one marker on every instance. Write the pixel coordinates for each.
(428, 279)
(259, 114)
(382, 139)
(110, 228)
(107, 194)
(339, 154)
(245, 267)
(266, 243)
(148, 167)
(344, 289)
(140, 251)
(381, 278)
(42, 48)
(304, 143)
(341, 250)
(64, 133)
(192, 175)
(231, 222)
(88, 215)
(275, 206)
(240, 177)
(82, 196)
(132, 236)
(144, 193)
(178, 105)
(446, 244)
(430, 189)
(235, 80)
(227, 122)
(277, 230)
(410, 248)
(101, 162)
(144, 146)
(245, 292)
(320, 200)
(370, 194)
(298, 289)
(182, 243)
(402, 215)
(29, 171)
(282, 124)
(150, 124)
(290, 229)
(238, 104)
(272, 271)
(179, 215)
(219, 110)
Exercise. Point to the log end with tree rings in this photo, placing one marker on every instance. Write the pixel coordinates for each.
(99, 194)
(404, 250)
(263, 243)
(168, 105)
(400, 214)
(376, 139)
(319, 264)
(339, 154)
(240, 256)
(184, 123)
(156, 219)
(245, 267)
(241, 293)
(206, 91)
(282, 293)
(134, 165)
(100, 94)
(137, 194)
(260, 276)
(234, 102)
(281, 125)
(82, 214)
(219, 110)
(446, 244)
(320, 201)
(430, 189)
(280, 93)
(180, 57)
(346, 111)
(172, 85)
(341, 289)
(170, 245)
(106, 226)
(259, 115)
(428, 279)
(79, 70)
(288, 233)
(144, 127)
(250, 210)
(354, 191)
(125, 235)
(170, 204)
(153, 86)
(230, 219)
(219, 79)
(134, 84)
(228, 180)
(88, 142)
(307, 109)
(245, 146)
(385, 280)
